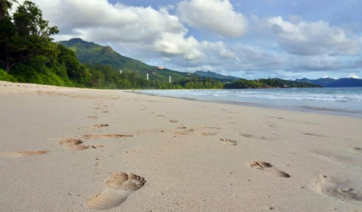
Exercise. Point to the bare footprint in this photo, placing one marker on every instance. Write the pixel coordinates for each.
(173, 121)
(339, 188)
(117, 189)
(206, 131)
(100, 125)
(24, 153)
(181, 128)
(311, 134)
(106, 136)
(252, 136)
(357, 149)
(228, 141)
(74, 144)
(267, 167)
(207, 134)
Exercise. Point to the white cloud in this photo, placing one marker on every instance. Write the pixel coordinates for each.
(218, 16)
(353, 75)
(176, 44)
(313, 38)
(100, 21)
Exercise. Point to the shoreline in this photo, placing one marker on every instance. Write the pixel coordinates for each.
(71, 149)
(305, 109)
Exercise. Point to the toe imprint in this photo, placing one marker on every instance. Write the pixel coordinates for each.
(118, 188)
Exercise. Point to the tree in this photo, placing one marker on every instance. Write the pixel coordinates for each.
(26, 35)
(5, 5)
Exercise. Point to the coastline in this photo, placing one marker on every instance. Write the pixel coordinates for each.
(195, 155)
(306, 109)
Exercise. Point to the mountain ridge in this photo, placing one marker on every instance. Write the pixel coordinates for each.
(90, 52)
(216, 75)
(329, 82)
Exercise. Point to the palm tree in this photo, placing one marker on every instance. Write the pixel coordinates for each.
(5, 5)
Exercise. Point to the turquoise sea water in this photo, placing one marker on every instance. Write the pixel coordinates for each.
(339, 101)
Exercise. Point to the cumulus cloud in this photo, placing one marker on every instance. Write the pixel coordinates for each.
(312, 38)
(218, 16)
(100, 21)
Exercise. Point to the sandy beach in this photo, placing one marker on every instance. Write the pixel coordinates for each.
(70, 149)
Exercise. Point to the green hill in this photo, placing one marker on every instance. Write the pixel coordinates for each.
(217, 76)
(268, 83)
(88, 52)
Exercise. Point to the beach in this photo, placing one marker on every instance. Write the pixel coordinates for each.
(72, 149)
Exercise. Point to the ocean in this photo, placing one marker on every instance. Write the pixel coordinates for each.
(338, 101)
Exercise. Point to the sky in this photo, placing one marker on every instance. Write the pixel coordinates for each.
(243, 38)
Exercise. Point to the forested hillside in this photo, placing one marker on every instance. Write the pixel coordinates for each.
(268, 83)
(89, 52)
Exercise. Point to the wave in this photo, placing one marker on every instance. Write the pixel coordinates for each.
(326, 95)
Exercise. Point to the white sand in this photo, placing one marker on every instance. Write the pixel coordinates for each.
(194, 155)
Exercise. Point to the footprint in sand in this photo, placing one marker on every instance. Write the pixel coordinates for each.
(173, 121)
(74, 144)
(181, 128)
(228, 141)
(207, 131)
(24, 153)
(101, 125)
(357, 149)
(252, 136)
(339, 188)
(92, 117)
(267, 167)
(117, 189)
(207, 134)
(311, 134)
(106, 136)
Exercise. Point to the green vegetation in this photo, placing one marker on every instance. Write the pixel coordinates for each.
(268, 83)
(217, 76)
(6, 77)
(24, 36)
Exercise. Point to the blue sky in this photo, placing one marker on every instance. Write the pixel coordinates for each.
(243, 38)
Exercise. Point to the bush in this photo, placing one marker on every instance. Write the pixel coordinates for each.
(6, 77)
